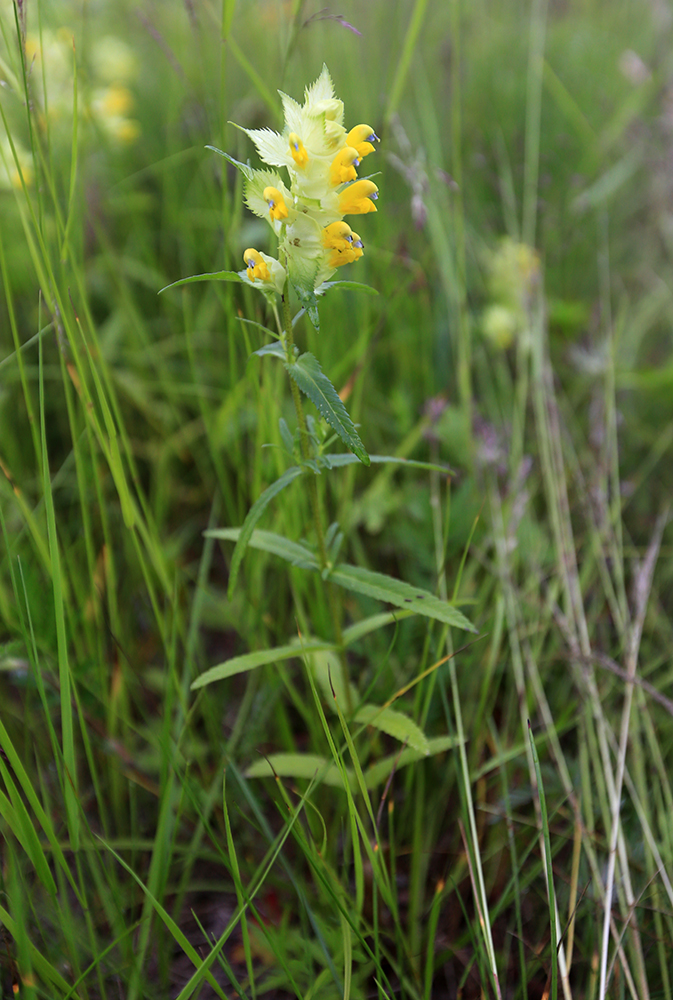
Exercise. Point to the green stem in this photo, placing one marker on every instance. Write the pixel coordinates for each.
(332, 599)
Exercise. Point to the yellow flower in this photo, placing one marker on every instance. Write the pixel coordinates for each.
(358, 198)
(276, 203)
(361, 138)
(297, 150)
(343, 166)
(256, 265)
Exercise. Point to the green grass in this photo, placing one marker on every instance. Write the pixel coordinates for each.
(272, 833)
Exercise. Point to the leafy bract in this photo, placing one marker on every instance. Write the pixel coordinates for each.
(312, 381)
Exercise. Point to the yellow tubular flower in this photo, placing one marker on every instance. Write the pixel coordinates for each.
(358, 198)
(343, 166)
(357, 247)
(361, 138)
(297, 150)
(256, 265)
(276, 203)
(337, 236)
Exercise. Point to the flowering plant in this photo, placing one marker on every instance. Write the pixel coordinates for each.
(306, 210)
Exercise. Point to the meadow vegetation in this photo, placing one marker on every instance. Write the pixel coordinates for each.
(366, 800)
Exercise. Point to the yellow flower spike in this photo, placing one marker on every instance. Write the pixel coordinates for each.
(337, 236)
(358, 198)
(343, 166)
(297, 150)
(256, 265)
(276, 203)
(361, 138)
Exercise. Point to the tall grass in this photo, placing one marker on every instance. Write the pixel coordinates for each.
(253, 836)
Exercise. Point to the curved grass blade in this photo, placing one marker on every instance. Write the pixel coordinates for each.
(253, 516)
(312, 381)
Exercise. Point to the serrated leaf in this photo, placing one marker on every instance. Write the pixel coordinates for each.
(379, 772)
(299, 765)
(403, 595)
(253, 516)
(268, 541)
(395, 724)
(312, 381)
(211, 276)
(258, 658)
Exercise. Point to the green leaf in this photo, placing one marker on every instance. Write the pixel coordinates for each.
(275, 348)
(258, 658)
(253, 516)
(355, 286)
(299, 765)
(267, 541)
(335, 461)
(310, 378)
(403, 595)
(360, 581)
(395, 724)
(379, 772)
(245, 168)
(372, 624)
(308, 301)
(212, 276)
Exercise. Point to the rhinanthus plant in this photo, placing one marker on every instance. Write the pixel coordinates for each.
(309, 186)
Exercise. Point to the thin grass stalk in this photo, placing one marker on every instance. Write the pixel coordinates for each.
(549, 874)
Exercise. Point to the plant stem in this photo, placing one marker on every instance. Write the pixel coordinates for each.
(315, 502)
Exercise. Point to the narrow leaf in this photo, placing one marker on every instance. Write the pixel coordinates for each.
(210, 276)
(379, 772)
(253, 516)
(268, 541)
(299, 765)
(395, 724)
(403, 595)
(360, 581)
(341, 459)
(355, 286)
(240, 664)
(310, 378)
